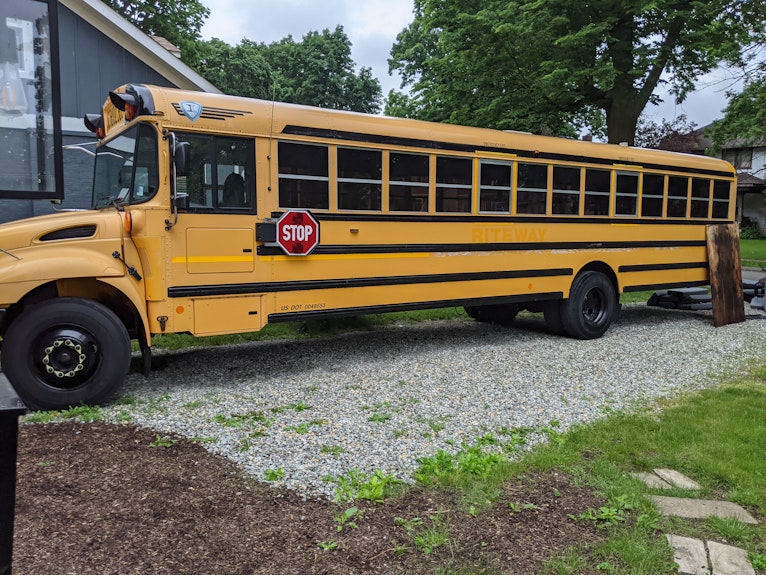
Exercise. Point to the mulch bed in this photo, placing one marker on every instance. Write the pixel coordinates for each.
(96, 498)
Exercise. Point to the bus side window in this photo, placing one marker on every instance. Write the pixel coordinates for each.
(597, 184)
(360, 182)
(304, 180)
(700, 198)
(652, 195)
(408, 182)
(678, 191)
(721, 193)
(532, 189)
(626, 194)
(221, 175)
(454, 184)
(566, 191)
(495, 186)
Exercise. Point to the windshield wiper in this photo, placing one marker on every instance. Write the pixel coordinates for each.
(103, 202)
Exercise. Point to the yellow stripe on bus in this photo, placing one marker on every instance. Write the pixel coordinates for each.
(212, 259)
(334, 257)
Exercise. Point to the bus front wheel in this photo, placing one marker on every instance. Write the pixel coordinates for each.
(591, 306)
(64, 352)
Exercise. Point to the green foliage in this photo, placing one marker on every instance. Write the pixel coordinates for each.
(750, 232)
(163, 441)
(317, 71)
(344, 519)
(82, 413)
(358, 485)
(178, 22)
(329, 545)
(273, 474)
(552, 66)
(426, 535)
(744, 117)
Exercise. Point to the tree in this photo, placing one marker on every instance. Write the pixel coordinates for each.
(678, 135)
(553, 64)
(179, 21)
(240, 70)
(744, 117)
(319, 71)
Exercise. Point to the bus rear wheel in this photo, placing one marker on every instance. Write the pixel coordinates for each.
(591, 306)
(500, 313)
(64, 352)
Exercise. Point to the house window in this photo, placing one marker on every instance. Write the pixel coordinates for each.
(740, 158)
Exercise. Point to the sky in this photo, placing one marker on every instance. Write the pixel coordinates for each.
(372, 26)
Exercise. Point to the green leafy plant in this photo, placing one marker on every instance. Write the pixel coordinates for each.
(358, 485)
(425, 535)
(344, 519)
(379, 417)
(273, 474)
(163, 441)
(329, 545)
(332, 450)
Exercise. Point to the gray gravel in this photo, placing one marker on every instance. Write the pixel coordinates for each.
(310, 410)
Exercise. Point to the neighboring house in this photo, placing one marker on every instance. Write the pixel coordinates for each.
(750, 162)
(98, 51)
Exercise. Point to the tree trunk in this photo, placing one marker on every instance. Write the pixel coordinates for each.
(621, 121)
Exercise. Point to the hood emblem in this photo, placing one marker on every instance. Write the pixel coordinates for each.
(191, 110)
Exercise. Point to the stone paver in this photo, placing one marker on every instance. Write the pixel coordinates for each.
(700, 508)
(652, 480)
(689, 554)
(728, 560)
(678, 479)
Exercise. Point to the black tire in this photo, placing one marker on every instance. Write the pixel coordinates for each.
(591, 306)
(501, 314)
(552, 314)
(64, 352)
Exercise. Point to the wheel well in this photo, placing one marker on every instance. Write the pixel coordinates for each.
(605, 269)
(86, 288)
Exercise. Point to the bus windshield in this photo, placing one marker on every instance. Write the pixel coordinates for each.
(126, 170)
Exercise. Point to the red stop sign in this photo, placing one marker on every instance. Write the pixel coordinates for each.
(297, 232)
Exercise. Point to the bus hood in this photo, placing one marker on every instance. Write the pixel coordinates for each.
(18, 236)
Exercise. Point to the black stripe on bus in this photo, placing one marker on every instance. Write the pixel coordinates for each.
(497, 219)
(365, 310)
(488, 247)
(655, 287)
(658, 267)
(270, 287)
(436, 145)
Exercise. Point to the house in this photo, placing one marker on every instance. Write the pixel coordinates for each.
(80, 50)
(750, 163)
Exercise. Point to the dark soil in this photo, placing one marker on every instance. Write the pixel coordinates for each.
(96, 498)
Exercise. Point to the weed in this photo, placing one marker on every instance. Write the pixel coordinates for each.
(607, 515)
(517, 507)
(163, 441)
(332, 450)
(359, 485)
(273, 474)
(329, 545)
(345, 519)
(425, 535)
(300, 429)
(193, 404)
(243, 420)
(379, 417)
(758, 560)
(201, 439)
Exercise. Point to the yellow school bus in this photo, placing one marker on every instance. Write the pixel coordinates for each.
(215, 214)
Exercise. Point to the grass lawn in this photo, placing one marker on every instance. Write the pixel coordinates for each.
(753, 252)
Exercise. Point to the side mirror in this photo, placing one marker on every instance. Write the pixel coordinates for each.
(181, 158)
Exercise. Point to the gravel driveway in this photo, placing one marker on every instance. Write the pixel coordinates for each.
(301, 412)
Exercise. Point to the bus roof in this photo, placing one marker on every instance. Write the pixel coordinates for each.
(233, 114)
